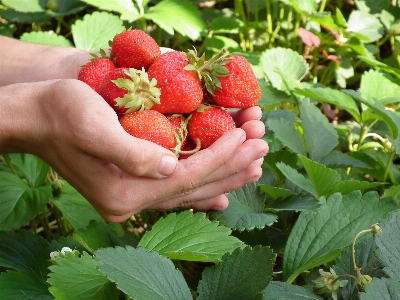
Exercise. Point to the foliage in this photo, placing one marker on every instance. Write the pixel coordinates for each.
(330, 76)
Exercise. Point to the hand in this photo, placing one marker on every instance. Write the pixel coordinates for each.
(74, 130)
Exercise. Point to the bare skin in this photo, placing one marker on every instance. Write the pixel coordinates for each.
(46, 112)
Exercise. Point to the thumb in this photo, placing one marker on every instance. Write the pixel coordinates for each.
(135, 156)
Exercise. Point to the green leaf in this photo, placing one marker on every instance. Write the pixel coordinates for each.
(177, 15)
(33, 168)
(125, 7)
(391, 119)
(332, 228)
(286, 132)
(18, 202)
(244, 274)
(372, 6)
(142, 274)
(365, 259)
(245, 210)
(75, 208)
(45, 38)
(191, 237)
(385, 287)
(76, 277)
(321, 136)
(97, 235)
(302, 5)
(388, 252)
(25, 252)
(19, 285)
(286, 61)
(338, 159)
(94, 31)
(299, 202)
(378, 85)
(331, 96)
(277, 290)
(380, 65)
(365, 24)
(296, 178)
(25, 5)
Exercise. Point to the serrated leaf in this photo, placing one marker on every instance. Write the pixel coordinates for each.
(297, 178)
(244, 274)
(245, 210)
(331, 96)
(364, 255)
(189, 236)
(348, 186)
(183, 17)
(125, 7)
(33, 168)
(25, 252)
(142, 274)
(45, 38)
(76, 209)
(387, 287)
(19, 285)
(18, 202)
(321, 136)
(76, 277)
(277, 290)
(299, 202)
(286, 132)
(372, 6)
(388, 252)
(25, 17)
(94, 31)
(284, 60)
(97, 235)
(275, 192)
(365, 24)
(378, 85)
(332, 228)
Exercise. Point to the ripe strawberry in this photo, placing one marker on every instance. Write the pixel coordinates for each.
(179, 123)
(181, 90)
(240, 89)
(93, 72)
(134, 49)
(150, 125)
(209, 124)
(128, 90)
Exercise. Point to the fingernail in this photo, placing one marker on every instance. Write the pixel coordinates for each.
(168, 165)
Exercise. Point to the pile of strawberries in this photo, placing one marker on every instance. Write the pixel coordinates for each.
(174, 99)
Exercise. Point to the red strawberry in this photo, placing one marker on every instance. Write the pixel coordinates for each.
(93, 72)
(128, 90)
(181, 90)
(240, 89)
(179, 123)
(209, 124)
(134, 49)
(150, 125)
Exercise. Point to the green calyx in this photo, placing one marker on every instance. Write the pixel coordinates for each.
(209, 71)
(142, 92)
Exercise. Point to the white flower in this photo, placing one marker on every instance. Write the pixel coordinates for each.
(54, 254)
(65, 249)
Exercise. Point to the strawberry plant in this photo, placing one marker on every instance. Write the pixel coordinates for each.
(322, 222)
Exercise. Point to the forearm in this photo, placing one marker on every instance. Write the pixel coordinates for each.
(26, 62)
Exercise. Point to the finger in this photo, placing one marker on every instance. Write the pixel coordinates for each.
(243, 115)
(209, 196)
(254, 129)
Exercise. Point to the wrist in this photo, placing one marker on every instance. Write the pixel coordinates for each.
(20, 120)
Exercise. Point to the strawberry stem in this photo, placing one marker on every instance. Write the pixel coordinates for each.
(214, 59)
(193, 151)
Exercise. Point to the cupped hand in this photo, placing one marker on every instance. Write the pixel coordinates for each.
(74, 130)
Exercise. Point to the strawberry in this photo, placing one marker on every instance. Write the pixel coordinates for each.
(150, 125)
(128, 90)
(181, 90)
(240, 88)
(134, 49)
(93, 72)
(208, 124)
(179, 123)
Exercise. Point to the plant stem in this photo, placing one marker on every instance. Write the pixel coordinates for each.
(10, 164)
(354, 248)
(392, 153)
